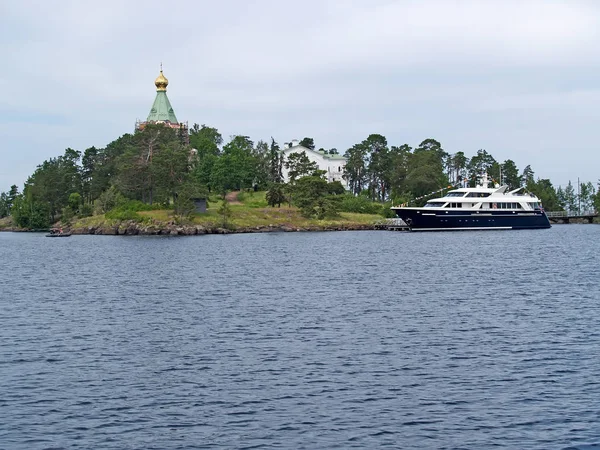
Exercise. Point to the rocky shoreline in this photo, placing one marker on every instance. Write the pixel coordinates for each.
(132, 228)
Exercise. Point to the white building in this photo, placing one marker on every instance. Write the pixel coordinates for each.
(333, 165)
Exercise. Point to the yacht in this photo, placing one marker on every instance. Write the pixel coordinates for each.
(478, 208)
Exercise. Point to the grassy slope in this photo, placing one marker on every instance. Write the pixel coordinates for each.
(253, 212)
(5, 222)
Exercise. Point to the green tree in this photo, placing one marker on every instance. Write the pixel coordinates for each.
(479, 164)
(169, 170)
(587, 192)
(560, 195)
(224, 212)
(136, 176)
(527, 177)
(206, 140)
(397, 169)
(236, 167)
(75, 202)
(299, 165)
(28, 213)
(183, 204)
(355, 171)
(378, 161)
(275, 163)
(308, 142)
(459, 163)
(510, 174)
(570, 198)
(7, 199)
(315, 197)
(275, 195)
(262, 160)
(544, 190)
(425, 173)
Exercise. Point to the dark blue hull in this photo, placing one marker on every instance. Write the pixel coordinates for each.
(424, 219)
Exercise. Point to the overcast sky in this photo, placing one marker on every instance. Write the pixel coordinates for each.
(517, 78)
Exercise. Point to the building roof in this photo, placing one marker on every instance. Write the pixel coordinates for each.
(161, 110)
(322, 154)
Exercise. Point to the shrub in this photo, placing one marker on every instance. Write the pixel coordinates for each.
(360, 204)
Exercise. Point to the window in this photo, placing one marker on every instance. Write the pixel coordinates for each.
(479, 194)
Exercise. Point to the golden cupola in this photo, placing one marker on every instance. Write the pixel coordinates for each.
(161, 82)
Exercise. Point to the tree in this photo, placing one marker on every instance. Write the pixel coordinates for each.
(7, 199)
(262, 160)
(169, 170)
(28, 213)
(206, 140)
(544, 190)
(510, 174)
(316, 198)
(459, 164)
(236, 167)
(425, 173)
(527, 176)
(136, 176)
(75, 202)
(586, 196)
(299, 165)
(355, 171)
(183, 205)
(560, 195)
(570, 198)
(377, 150)
(275, 163)
(397, 169)
(275, 195)
(479, 164)
(308, 142)
(225, 212)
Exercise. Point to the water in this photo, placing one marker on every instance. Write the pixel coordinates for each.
(301, 340)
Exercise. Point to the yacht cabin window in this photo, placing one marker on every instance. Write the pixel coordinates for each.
(455, 194)
(478, 194)
(434, 204)
(503, 205)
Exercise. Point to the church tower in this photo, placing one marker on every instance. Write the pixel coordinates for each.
(162, 111)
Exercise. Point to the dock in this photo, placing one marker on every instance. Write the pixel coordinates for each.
(396, 224)
(566, 216)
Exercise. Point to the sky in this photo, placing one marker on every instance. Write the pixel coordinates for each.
(520, 79)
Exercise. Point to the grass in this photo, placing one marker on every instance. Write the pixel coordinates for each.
(251, 213)
(5, 222)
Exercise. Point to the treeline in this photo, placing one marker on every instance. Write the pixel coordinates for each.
(403, 173)
(156, 168)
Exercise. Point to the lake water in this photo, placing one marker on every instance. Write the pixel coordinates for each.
(452, 340)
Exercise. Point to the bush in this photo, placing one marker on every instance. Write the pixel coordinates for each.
(85, 210)
(387, 212)
(360, 204)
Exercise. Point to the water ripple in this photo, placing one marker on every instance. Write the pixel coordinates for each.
(301, 340)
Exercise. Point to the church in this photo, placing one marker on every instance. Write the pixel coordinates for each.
(162, 111)
(333, 165)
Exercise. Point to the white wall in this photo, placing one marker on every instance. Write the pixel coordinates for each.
(334, 168)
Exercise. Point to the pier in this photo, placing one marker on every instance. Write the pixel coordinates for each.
(567, 216)
(396, 224)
